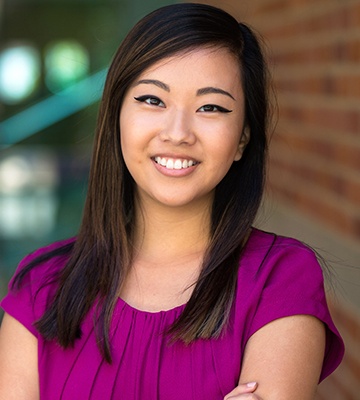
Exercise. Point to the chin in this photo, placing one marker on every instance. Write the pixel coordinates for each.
(176, 202)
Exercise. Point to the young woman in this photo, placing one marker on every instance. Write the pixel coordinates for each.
(168, 292)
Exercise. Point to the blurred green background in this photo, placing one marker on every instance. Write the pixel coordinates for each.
(53, 59)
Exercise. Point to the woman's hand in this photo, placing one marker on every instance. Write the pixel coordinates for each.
(243, 391)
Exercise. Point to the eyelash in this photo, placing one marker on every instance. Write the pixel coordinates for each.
(148, 100)
(216, 108)
(155, 101)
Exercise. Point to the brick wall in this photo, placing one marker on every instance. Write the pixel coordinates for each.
(315, 160)
(314, 50)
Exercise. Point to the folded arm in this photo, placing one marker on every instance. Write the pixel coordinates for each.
(284, 358)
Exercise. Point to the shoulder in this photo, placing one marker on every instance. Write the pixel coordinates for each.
(35, 281)
(269, 241)
(47, 250)
(281, 277)
(278, 269)
(43, 262)
(267, 253)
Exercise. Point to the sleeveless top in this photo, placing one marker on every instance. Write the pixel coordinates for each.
(277, 277)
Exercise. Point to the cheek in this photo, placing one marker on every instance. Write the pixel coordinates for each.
(125, 140)
(228, 146)
(127, 126)
(222, 158)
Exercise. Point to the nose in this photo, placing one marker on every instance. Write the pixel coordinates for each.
(178, 128)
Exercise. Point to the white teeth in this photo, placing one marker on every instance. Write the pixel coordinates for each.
(171, 163)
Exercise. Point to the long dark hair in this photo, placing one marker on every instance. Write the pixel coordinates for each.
(102, 254)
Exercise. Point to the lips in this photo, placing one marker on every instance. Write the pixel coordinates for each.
(175, 163)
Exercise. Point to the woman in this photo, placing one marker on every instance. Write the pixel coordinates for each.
(168, 292)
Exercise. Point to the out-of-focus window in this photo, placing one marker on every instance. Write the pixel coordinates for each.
(66, 62)
(19, 73)
(28, 201)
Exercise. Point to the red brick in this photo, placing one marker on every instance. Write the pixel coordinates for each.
(346, 321)
(355, 15)
(342, 120)
(336, 154)
(344, 17)
(349, 51)
(304, 201)
(351, 191)
(354, 365)
(341, 85)
(347, 392)
(271, 7)
(341, 184)
(336, 51)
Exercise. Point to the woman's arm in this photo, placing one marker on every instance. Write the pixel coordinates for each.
(19, 379)
(285, 359)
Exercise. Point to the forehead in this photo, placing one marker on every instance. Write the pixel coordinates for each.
(197, 66)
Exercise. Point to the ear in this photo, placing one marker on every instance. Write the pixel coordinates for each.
(244, 140)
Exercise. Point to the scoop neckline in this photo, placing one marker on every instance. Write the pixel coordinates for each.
(125, 304)
(176, 309)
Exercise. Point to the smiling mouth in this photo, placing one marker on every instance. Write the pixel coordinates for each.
(175, 163)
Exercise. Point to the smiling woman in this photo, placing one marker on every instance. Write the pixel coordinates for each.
(176, 115)
(168, 292)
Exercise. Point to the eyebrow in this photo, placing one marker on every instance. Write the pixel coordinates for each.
(155, 82)
(200, 92)
(210, 89)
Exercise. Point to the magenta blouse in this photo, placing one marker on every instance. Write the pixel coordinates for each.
(277, 277)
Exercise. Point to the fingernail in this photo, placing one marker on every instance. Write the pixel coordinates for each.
(251, 384)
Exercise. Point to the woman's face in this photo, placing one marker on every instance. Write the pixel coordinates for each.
(181, 126)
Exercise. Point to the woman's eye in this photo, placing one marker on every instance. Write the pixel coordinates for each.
(151, 100)
(213, 108)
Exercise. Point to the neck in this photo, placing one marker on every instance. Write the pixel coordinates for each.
(171, 233)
